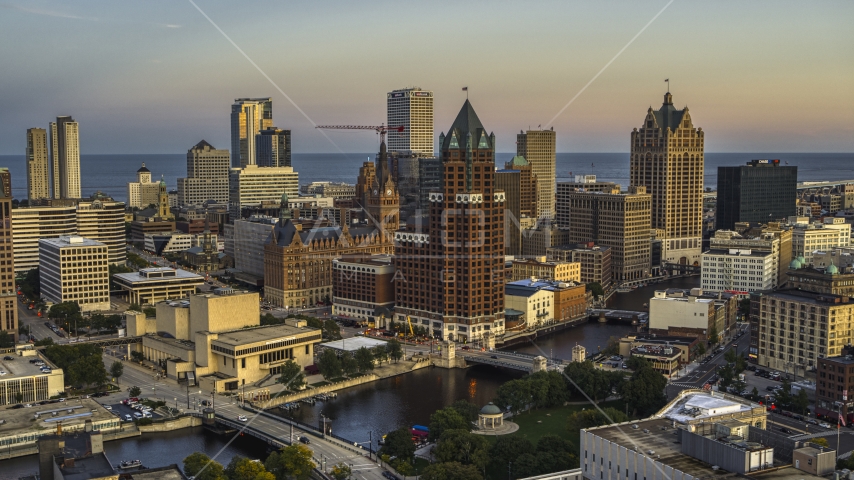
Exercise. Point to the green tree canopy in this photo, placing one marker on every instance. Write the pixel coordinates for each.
(447, 419)
(6, 340)
(451, 471)
(117, 369)
(515, 394)
(134, 391)
(380, 354)
(509, 447)
(329, 364)
(595, 383)
(592, 417)
(81, 363)
(241, 468)
(292, 376)
(291, 463)
(644, 392)
(331, 330)
(341, 471)
(398, 443)
(468, 410)
(364, 360)
(348, 364)
(463, 447)
(202, 467)
(30, 284)
(395, 351)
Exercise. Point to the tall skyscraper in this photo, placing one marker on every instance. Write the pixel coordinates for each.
(538, 148)
(253, 186)
(65, 157)
(38, 180)
(8, 299)
(667, 159)
(273, 148)
(248, 117)
(451, 277)
(759, 192)
(411, 108)
(207, 176)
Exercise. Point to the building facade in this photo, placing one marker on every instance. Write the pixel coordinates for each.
(38, 167)
(363, 289)
(65, 157)
(667, 159)
(33, 223)
(151, 285)
(335, 190)
(620, 221)
(582, 183)
(253, 185)
(595, 261)
(104, 221)
(683, 315)
(207, 176)
(75, 269)
(273, 148)
(249, 116)
(510, 182)
(538, 148)
(412, 109)
(760, 191)
(809, 237)
(454, 269)
(544, 235)
(741, 270)
(539, 267)
(8, 304)
(143, 192)
(834, 380)
(770, 238)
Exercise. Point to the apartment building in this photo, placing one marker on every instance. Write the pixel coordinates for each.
(75, 269)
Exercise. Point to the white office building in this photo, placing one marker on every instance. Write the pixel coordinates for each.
(411, 108)
(75, 269)
(29, 225)
(252, 185)
(143, 192)
(808, 237)
(738, 269)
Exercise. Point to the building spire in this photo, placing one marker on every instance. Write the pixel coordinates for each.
(284, 211)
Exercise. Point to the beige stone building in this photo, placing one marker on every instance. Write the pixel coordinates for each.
(207, 176)
(595, 261)
(617, 220)
(75, 269)
(536, 241)
(810, 237)
(31, 224)
(538, 267)
(667, 159)
(538, 148)
(151, 285)
(143, 192)
(38, 178)
(216, 340)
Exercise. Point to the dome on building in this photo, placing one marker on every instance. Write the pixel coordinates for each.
(832, 270)
(795, 264)
(801, 259)
(490, 409)
(143, 169)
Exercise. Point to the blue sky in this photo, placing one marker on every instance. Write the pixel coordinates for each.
(156, 76)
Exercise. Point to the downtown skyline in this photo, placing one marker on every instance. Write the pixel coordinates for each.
(336, 63)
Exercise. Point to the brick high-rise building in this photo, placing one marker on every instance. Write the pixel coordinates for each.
(667, 159)
(451, 275)
(8, 307)
(38, 178)
(538, 148)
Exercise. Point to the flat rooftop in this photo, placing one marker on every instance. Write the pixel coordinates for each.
(247, 336)
(138, 277)
(696, 406)
(658, 439)
(21, 366)
(72, 241)
(70, 412)
(95, 466)
(353, 343)
(172, 472)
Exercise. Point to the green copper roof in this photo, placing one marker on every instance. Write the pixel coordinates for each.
(466, 123)
(519, 161)
(668, 116)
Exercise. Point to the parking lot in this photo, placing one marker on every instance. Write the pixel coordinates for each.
(120, 410)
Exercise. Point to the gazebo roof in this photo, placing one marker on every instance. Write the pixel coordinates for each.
(490, 409)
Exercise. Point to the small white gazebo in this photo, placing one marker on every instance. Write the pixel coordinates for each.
(488, 416)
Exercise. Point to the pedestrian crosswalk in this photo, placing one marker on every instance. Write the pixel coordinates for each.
(684, 385)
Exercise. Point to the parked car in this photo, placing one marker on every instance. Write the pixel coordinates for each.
(108, 407)
(785, 430)
(128, 418)
(8, 358)
(137, 414)
(824, 425)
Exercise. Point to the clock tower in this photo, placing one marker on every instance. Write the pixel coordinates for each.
(383, 200)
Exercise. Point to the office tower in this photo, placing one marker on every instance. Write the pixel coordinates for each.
(65, 157)
(583, 183)
(251, 186)
(364, 183)
(509, 182)
(207, 176)
(8, 299)
(760, 191)
(808, 238)
(38, 178)
(538, 148)
(104, 222)
(411, 108)
(617, 220)
(273, 148)
(75, 269)
(32, 223)
(248, 117)
(667, 159)
(143, 192)
(454, 272)
(528, 193)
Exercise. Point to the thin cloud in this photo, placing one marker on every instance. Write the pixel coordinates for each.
(170, 25)
(48, 13)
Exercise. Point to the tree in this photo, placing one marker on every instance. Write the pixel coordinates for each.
(592, 417)
(291, 462)
(117, 369)
(137, 356)
(509, 447)
(30, 284)
(730, 356)
(447, 419)
(821, 442)
(341, 471)
(150, 312)
(270, 319)
(6, 340)
(451, 471)
(754, 394)
(348, 364)
(134, 391)
(331, 330)
(395, 351)
(380, 354)
(548, 389)
(595, 383)
(463, 447)
(364, 360)
(44, 342)
(398, 443)
(612, 347)
(596, 288)
(784, 395)
(135, 307)
(468, 410)
(201, 467)
(82, 363)
(241, 468)
(515, 394)
(713, 335)
(701, 349)
(292, 376)
(554, 454)
(329, 364)
(645, 390)
(801, 401)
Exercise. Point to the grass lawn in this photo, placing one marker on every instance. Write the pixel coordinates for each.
(534, 424)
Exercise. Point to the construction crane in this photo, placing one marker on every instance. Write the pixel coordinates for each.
(382, 129)
(409, 321)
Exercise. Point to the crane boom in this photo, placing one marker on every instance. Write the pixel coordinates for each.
(381, 129)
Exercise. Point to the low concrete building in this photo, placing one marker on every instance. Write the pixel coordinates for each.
(24, 427)
(25, 382)
(684, 315)
(688, 346)
(216, 340)
(151, 285)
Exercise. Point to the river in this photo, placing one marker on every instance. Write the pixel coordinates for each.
(376, 407)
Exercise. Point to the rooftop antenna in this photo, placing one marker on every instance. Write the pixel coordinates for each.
(667, 80)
